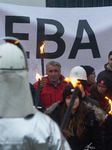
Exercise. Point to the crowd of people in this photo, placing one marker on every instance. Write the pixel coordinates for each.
(89, 124)
(67, 117)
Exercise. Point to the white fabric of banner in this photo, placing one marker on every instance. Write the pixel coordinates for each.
(84, 35)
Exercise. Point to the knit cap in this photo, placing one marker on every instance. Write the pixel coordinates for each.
(69, 89)
(105, 81)
(88, 69)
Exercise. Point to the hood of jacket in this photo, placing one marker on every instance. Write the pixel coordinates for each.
(107, 68)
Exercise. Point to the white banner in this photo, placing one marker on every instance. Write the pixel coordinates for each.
(72, 36)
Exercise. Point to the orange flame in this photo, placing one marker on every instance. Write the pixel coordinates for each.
(16, 42)
(73, 81)
(42, 48)
(38, 76)
(110, 102)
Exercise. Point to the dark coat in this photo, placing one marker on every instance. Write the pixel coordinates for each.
(106, 107)
(90, 100)
(92, 131)
(108, 128)
(33, 93)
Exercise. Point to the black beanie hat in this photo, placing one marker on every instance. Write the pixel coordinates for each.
(105, 81)
(69, 89)
(88, 69)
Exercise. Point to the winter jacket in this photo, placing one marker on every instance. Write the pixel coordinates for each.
(106, 107)
(107, 72)
(94, 135)
(51, 94)
(108, 128)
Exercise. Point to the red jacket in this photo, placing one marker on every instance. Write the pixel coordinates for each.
(49, 94)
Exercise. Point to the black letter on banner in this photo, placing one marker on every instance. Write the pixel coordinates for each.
(83, 24)
(9, 27)
(55, 37)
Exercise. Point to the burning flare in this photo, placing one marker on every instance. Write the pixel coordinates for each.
(42, 48)
(73, 81)
(38, 76)
(110, 102)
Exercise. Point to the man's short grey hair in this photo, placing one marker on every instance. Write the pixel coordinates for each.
(53, 63)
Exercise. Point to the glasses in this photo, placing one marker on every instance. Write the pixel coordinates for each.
(103, 87)
(16, 42)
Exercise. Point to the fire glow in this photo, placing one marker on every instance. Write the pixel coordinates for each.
(16, 42)
(42, 48)
(73, 81)
(110, 102)
(38, 76)
(42, 57)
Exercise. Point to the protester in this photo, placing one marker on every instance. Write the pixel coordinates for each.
(79, 73)
(100, 90)
(108, 68)
(90, 71)
(51, 91)
(21, 126)
(82, 130)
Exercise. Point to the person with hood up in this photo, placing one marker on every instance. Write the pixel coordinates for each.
(82, 130)
(21, 125)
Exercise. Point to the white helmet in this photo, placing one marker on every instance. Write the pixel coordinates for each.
(78, 73)
(12, 55)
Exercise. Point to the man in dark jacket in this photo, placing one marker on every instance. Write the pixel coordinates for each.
(108, 68)
(51, 86)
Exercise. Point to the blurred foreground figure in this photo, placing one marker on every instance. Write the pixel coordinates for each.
(21, 125)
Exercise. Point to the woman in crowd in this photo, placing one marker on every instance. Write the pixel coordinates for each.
(100, 90)
(82, 130)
